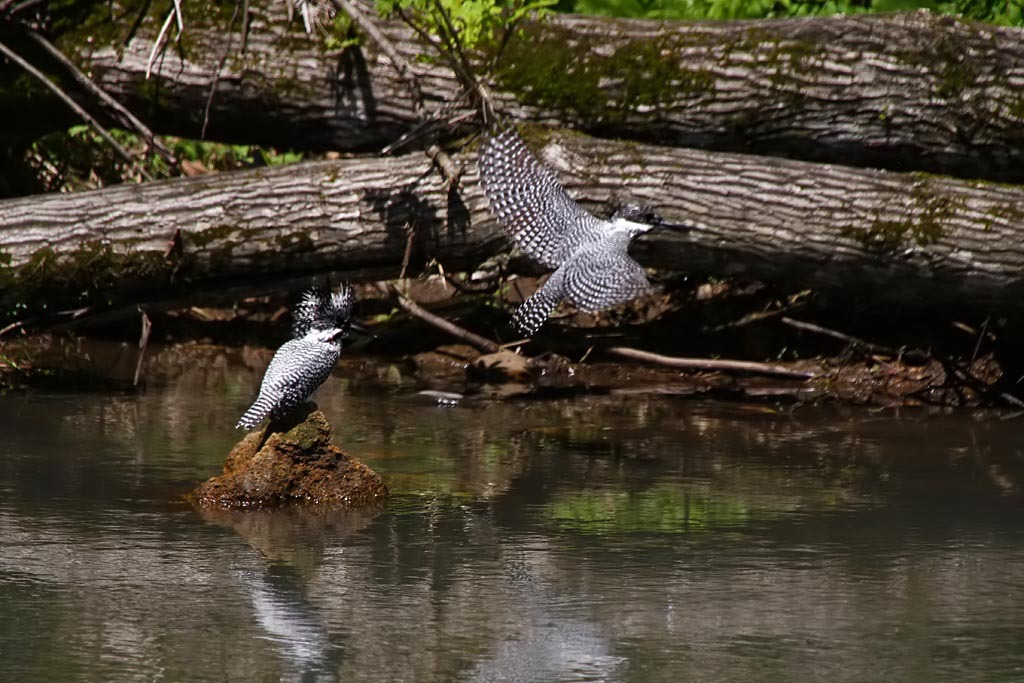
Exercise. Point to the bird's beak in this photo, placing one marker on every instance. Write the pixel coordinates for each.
(356, 327)
(679, 227)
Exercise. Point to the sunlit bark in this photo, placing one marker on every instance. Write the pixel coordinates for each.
(908, 91)
(919, 242)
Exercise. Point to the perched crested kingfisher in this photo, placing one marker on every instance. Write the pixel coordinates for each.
(593, 269)
(320, 323)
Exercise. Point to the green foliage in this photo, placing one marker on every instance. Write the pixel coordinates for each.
(1005, 12)
(1008, 12)
(339, 33)
(465, 23)
(79, 159)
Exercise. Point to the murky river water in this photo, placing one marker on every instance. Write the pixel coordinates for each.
(619, 538)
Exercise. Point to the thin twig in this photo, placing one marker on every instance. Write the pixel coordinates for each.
(422, 128)
(856, 341)
(708, 364)
(508, 32)
(449, 170)
(451, 38)
(30, 322)
(22, 6)
(18, 324)
(147, 327)
(402, 66)
(128, 119)
(220, 67)
(414, 309)
(245, 26)
(407, 256)
(74, 106)
(156, 45)
(479, 97)
(981, 336)
(177, 15)
(748, 319)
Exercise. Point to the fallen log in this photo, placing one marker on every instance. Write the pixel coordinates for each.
(915, 241)
(913, 91)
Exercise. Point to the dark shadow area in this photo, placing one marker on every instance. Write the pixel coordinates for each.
(353, 89)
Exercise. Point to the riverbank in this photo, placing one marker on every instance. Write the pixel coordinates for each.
(459, 372)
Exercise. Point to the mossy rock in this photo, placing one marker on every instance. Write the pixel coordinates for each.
(291, 461)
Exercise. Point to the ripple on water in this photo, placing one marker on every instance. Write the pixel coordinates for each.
(606, 539)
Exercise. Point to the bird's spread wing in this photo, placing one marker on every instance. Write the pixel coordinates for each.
(530, 204)
(603, 275)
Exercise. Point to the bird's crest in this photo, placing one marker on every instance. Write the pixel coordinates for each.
(322, 310)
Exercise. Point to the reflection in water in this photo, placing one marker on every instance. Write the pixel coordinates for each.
(547, 645)
(292, 624)
(606, 539)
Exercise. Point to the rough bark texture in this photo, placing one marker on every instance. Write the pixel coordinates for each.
(908, 91)
(917, 241)
(187, 236)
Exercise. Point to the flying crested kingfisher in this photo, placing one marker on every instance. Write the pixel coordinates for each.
(593, 269)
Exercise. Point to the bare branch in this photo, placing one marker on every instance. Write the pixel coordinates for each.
(855, 341)
(402, 66)
(451, 172)
(128, 119)
(157, 43)
(414, 309)
(713, 365)
(147, 327)
(479, 97)
(220, 67)
(74, 106)
(22, 6)
(245, 25)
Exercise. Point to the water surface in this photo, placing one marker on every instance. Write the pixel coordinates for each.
(616, 538)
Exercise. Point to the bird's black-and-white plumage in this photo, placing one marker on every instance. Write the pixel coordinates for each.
(302, 364)
(593, 269)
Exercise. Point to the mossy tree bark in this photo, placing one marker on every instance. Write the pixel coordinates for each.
(908, 92)
(915, 241)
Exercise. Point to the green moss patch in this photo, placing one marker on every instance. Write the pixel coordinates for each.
(932, 210)
(556, 68)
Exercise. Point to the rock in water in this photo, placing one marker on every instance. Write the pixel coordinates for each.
(291, 461)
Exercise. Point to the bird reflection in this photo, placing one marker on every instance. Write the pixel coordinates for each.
(292, 623)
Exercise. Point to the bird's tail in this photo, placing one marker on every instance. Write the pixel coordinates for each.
(257, 411)
(531, 315)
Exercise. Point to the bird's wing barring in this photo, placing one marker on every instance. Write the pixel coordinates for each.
(530, 204)
(298, 368)
(596, 279)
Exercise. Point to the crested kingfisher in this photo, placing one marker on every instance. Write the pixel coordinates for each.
(303, 363)
(593, 269)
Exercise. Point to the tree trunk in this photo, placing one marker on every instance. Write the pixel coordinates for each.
(917, 242)
(186, 236)
(911, 91)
